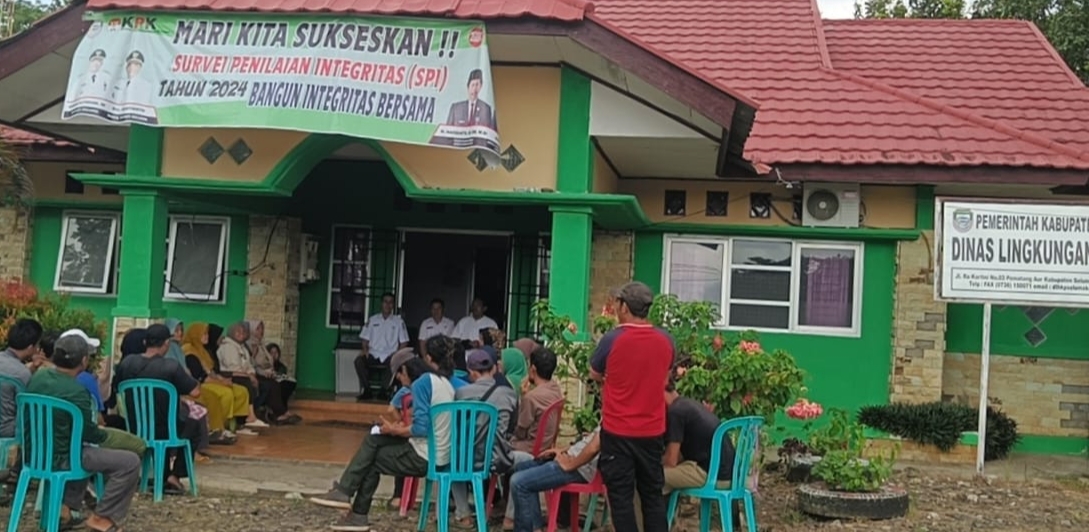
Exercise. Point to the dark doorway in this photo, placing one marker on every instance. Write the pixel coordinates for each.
(453, 267)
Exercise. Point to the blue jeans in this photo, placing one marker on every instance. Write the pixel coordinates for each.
(526, 485)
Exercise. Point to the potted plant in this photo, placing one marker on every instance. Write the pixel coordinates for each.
(846, 485)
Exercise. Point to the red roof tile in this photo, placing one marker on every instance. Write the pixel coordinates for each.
(566, 10)
(19, 137)
(776, 52)
(997, 69)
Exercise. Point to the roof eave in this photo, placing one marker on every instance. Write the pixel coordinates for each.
(927, 174)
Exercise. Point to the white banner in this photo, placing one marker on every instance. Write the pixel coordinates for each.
(1013, 253)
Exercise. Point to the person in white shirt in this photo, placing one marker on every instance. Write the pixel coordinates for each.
(468, 329)
(436, 325)
(383, 334)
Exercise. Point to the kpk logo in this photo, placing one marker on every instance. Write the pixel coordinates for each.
(133, 23)
(962, 220)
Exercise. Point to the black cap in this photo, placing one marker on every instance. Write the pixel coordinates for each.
(135, 56)
(98, 54)
(157, 334)
(637, 296)
(69, 351)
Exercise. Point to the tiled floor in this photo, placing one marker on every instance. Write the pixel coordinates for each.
(301, 443)
(332, 431)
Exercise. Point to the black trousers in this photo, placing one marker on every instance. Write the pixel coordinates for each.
(630, 465)
(363, 366)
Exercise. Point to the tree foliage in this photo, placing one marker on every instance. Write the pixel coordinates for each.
(1064, 22)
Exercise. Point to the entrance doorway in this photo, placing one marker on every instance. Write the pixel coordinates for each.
(455, 267)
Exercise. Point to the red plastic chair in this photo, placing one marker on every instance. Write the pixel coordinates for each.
(595, 488)
(539, 445)
(409, 488)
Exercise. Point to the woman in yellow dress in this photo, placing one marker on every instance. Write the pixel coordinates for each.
(224, 400)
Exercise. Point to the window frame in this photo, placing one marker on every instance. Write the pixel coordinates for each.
(333, 261)
(219, 289)
(109, 283)
(797, 245)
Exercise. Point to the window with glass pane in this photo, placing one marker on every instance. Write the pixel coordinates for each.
(695, 271)
(826, 287)
(349, 276)
(88, 253)
(196, 258)
(760, 274)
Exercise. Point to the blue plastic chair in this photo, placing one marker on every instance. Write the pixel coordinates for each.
(36, 414)
(7, 443)
(466, 464)
(748, 437)
(142, 393)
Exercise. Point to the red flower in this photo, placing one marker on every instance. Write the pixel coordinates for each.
(717, 342)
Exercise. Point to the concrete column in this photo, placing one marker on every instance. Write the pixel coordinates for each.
(15, 237)
(272, 293)
(918, 340)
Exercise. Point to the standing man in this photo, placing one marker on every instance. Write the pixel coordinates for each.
(469, 327)
(436, 325)
(19, 360)
(633, 361)
(383, 335)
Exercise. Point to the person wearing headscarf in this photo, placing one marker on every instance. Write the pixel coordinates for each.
(224, 400)
(514, 368)
(174, 351)
(215, 337)
(265, 369)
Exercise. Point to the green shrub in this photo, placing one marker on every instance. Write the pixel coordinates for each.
(941, 424)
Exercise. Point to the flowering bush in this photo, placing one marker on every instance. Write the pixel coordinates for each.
(731, 372)
(573, 352)
(22, 300)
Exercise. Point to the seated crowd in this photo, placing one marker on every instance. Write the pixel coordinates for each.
(521, 398)
(226, 386)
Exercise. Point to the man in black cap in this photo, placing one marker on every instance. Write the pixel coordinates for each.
(153, 365)
(134, 89)
(634, 362)
(121, 468)
(94, 83)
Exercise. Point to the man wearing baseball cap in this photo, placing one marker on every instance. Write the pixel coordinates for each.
(121, 468)
(483, 387)
(633, 361)
(154, 365)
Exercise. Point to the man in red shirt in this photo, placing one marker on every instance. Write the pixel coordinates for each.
(633, 361)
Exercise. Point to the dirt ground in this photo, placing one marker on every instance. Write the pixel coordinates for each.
(939, 504)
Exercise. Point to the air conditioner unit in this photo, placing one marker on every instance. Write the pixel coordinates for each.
(831, 205)
(308, 260)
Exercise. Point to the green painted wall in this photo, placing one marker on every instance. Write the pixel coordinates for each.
(1066, 331)
(46, 248)
(366, 193)
(841, 372)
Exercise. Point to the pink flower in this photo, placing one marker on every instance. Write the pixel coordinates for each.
(681, 371)
(747, 399)
(608, 310)
(803, 409)
(710, 407)
(749, 348)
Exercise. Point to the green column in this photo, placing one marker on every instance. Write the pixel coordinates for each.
(143, 255)
(569, 283)
(142, 264)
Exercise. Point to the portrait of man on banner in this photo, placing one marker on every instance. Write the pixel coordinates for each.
(95, 81)
(472, 111)
(470, 122)
(133, 92)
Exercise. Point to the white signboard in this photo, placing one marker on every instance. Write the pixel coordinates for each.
(1012, 253)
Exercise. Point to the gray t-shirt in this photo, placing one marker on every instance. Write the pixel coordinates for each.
(10, 366)
(505, 401)
(589, 469)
